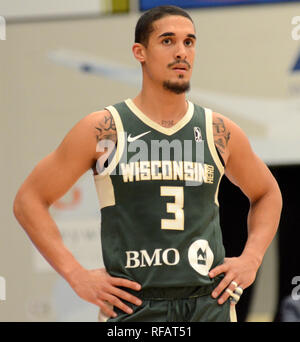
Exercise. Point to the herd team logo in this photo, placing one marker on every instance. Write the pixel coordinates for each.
(201, 256)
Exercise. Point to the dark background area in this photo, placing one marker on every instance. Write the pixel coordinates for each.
(234, 206)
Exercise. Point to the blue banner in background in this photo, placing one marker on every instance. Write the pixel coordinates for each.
(147, 4)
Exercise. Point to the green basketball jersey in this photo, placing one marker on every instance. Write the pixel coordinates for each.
(159, 199)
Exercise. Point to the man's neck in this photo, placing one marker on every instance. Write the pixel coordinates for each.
(162, 106)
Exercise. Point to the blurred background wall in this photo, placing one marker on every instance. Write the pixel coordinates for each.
(56, 66)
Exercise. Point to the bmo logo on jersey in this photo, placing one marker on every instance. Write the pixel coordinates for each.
(201, 256)
(159, 257)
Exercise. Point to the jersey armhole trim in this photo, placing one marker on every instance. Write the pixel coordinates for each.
(103, 182)
(210, 140)
(212, 148)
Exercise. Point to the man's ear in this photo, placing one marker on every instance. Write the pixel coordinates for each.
(139, 52)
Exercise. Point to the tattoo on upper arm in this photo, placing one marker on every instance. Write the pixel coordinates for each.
(221, 134)
(106, 129)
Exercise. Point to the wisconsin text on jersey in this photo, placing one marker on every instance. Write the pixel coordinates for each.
(154, 161)
(167, 170)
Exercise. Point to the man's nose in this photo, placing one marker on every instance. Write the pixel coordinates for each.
(180, 52)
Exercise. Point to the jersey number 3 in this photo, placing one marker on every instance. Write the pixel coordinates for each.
(175, 208)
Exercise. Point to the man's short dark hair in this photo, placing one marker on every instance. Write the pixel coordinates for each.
(144, 26)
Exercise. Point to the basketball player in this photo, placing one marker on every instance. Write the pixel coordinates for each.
(161, 239)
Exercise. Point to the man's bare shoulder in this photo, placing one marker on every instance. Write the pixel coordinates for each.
(228, 136)
(103, 128)
(85, 135)
(103, 124)
(229, 130)
(222, 134)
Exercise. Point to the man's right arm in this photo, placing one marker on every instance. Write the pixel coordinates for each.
(51, 178)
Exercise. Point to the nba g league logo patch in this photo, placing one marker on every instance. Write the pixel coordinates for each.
(197, 133)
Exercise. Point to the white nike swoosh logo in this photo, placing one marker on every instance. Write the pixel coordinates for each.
(131, 139)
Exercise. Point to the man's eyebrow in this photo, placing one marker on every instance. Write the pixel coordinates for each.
(170, 34)
(190, 35)
(167, 34)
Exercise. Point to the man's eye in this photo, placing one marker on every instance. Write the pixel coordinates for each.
(188, 42)
(167, 41)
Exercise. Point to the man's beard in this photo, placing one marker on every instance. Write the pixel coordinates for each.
(176, 87)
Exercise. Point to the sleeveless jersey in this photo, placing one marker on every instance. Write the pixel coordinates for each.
(158, 197)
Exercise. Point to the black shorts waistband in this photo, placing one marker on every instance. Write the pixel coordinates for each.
(169, 293)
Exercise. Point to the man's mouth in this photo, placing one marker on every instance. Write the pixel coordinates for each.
(179, 67)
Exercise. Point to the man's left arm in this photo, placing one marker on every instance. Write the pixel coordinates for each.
(247, 171)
